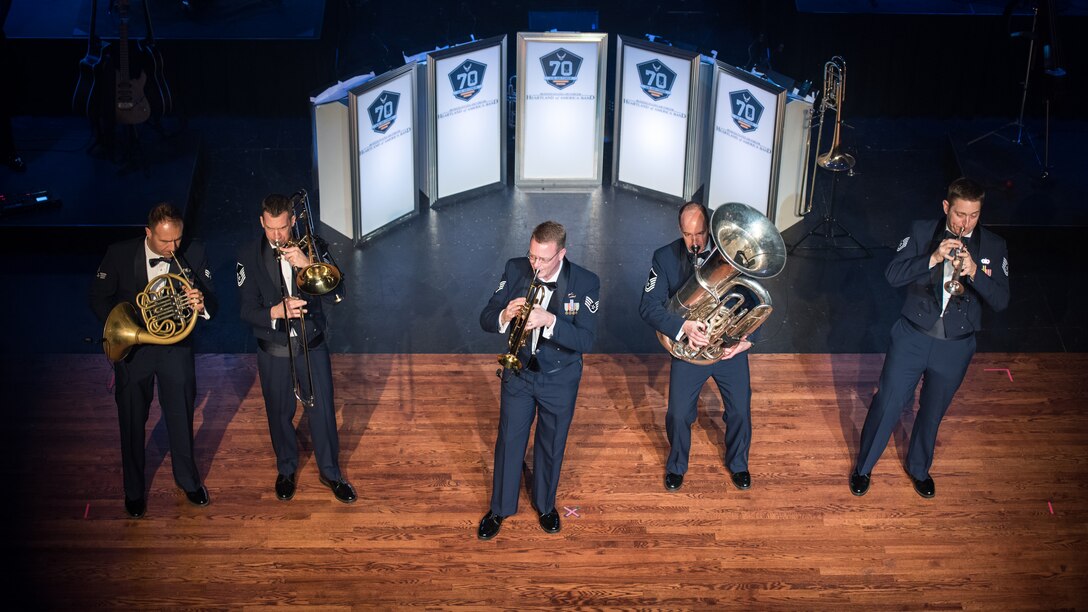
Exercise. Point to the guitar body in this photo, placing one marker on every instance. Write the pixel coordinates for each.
(157, 89)
(131, 105)
(92, 75)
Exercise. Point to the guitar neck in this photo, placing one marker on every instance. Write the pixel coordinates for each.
(123, 43)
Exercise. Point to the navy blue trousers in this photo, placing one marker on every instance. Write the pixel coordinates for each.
(175, 371)
(280, 405)
(941, 365)
(549, 400)
(686, 381)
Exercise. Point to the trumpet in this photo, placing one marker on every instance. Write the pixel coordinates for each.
(518, 331)
(954, 286)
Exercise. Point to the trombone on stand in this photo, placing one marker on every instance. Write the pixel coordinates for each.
(835, 161)
(319, 277)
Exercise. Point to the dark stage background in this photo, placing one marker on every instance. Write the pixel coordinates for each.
(920, 87)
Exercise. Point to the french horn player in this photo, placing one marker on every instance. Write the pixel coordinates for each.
(703, 303)
(151, 292)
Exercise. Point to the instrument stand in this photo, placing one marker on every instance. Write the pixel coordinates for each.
(1021, 133)
(829, 229)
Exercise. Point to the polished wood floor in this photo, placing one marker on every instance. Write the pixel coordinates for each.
(1008, 528)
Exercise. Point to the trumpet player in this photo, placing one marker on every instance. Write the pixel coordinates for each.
(934, 338)
(270, 297)
(125, 272)
(544, 385)
(672, 265)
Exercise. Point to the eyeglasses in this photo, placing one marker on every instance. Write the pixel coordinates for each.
(533, 259)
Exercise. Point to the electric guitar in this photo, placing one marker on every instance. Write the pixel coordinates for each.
(158, 90)
(90, 68)
(131, 106)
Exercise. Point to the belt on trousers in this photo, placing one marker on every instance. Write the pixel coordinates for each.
(930, 332)
(280, 350)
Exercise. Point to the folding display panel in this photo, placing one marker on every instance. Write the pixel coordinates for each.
(466, 117)
(746, 140)
(383, 120)
(560, 109)
(332, 153)
(661, 99)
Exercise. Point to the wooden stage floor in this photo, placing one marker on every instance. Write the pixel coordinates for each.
(1007, 529)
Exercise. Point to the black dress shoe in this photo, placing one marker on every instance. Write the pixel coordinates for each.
(489, 526)
(135, 507)
(673, 481)
(859, 483)
(549, 522)
(285, 486)
(925, 488)
(741, 480)
(342, 489)
(198, 497)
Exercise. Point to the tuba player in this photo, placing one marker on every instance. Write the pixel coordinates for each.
(672, 265)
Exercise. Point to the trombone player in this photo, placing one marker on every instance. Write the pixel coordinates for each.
(951, 266)
(125, 273)
(299, 370)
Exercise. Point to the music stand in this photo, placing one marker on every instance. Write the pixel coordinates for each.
(1021, 133)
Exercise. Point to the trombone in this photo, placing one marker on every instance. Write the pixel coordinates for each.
(319, 277)
(831, 98)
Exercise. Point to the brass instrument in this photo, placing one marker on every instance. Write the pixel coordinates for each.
(954, 286)
(319, 277)
(746, 244)
(518, 332)
(831, 97)
(167, 315)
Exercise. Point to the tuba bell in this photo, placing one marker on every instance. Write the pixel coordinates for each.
(167, 315)
(746, 244)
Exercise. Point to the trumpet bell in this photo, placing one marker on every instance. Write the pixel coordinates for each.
(318, 279)
(835, 161)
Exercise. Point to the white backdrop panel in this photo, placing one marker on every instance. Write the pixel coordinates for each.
(742, 160)
(469, 131)
(387, 185)
(560, 125)
(653, 133)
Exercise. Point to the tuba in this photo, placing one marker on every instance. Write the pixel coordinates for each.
(747, 244)
(167, 315)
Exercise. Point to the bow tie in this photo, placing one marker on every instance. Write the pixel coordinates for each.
(154, 261)
(550, 286)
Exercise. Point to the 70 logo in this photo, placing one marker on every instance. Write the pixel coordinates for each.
(560, 67)
(467, 79)
(746, 110)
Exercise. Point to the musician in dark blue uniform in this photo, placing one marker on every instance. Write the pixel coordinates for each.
(562, 327)
(262, 280)
(125, 271)
(934, 339)
(672, 266)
